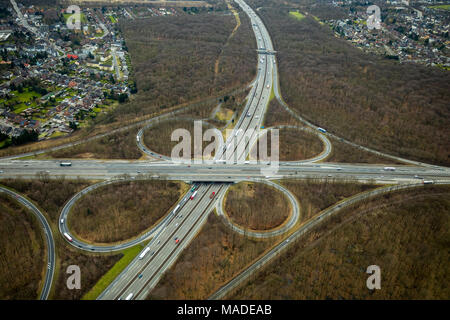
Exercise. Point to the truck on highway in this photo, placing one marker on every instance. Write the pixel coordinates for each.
(129, 296)
(389, 169)
(143, 253)
(68, 237)
(193, 195)
(65, 164)
(322, 130)
(428, 181)
(176, 208)
(213, 194)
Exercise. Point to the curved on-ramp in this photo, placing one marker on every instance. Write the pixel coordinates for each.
(320, 157)
(295, 216)
(50, 270)
(63, 228)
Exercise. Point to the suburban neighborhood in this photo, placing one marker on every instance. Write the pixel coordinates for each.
(55, 74)
(417, 34)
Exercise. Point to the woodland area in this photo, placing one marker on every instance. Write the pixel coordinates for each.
(174, 60)
(51, 195)
(401, 109)
(22, 252)
(406, 234)
(118, 212)
(277, 115)
(120, 145)
(294, 144)
(92, 268)
(343, 152)
(211, 259)
(316, 195)
(256, 206)
(158, 137)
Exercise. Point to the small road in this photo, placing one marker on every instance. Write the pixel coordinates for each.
(295, 216)
(281, 247)
(116, 64)
(50, 270)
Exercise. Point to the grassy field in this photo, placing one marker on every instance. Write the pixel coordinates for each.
(297, 15)
(22, 252)
(256, 206)
(83, 18)
(442, 6)
(127, 256)
(19, 100)
(112, 18)
(405, 234)
(224, 114)
(122, 211)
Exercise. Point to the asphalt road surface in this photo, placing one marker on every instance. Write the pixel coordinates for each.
(50, 270)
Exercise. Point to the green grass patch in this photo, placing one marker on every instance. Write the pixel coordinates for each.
(297, 15)
(441, 6)
(25, 96)
(5, 143)
(82, 17)
(272, 94)
(318, 20)
(128, 255)
(224, 114)
(112, 18)
(57, 134)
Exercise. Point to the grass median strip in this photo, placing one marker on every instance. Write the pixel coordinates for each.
(128, 255)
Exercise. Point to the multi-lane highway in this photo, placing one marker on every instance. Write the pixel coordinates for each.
(143, 274)
(215, 172)
(184, 221)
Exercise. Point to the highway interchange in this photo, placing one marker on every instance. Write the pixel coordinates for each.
(169, 237)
